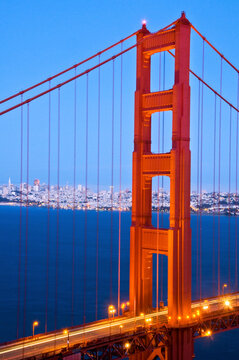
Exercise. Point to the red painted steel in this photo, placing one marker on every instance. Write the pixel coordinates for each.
(178, 236)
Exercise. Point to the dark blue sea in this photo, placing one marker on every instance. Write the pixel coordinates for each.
(34, 261)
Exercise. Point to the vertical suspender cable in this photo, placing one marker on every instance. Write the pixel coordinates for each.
(58, 203)
(157, 263)
(98, 194)
(26, 240)
(86, 184)
(112, 184)
(229, 204)
(74, 210)
(162, 194)
(201, 160)
(219, 183)
(236, 225)
(120, 173)
(214, 194)
(20, 227)
(198, 173)
(48, 207)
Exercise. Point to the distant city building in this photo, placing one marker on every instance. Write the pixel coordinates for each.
(9, 184)
(36, 185)
(37, 182)
(5, 191)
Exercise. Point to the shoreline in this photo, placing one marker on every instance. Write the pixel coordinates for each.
(17, 204)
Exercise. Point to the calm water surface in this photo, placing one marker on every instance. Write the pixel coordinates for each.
(218, 347)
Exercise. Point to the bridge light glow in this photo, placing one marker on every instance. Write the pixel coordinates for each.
(205, 307)
(227, 303)
(141, 314)
(144, 22)
(35, 323)
(194, 315)
(187, 316)
(123, 306)
(127, 303)
(179, 318)
(208, 333)
(170, 317)
(127, 345)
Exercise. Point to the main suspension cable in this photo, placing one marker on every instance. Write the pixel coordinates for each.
(66, 70)
(218, 52)
(208, 86)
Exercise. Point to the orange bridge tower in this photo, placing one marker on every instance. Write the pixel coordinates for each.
(145, 240)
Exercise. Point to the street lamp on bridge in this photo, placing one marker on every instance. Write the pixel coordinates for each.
(35, 323)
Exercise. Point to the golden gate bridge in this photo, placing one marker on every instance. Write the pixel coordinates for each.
(138, 329)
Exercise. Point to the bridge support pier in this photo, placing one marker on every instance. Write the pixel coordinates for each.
(180, 344)
(180, 347)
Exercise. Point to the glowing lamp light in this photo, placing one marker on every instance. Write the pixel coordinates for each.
(187, 316)
(141, 314)
(123, 306)
(205, 307)
(35, 323)
(65, 331)
(170, 317)
(208, 333)
(227, 303)
(144, 22)
(194, 315)
(127, 345)
(127, 303)
(179, 318)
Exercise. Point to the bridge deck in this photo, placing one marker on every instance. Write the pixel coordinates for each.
(214, 314)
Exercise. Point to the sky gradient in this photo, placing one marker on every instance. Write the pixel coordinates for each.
(39, 39)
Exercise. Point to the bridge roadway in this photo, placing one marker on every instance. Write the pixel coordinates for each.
(54, 342)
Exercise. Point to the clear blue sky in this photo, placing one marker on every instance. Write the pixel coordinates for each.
(40, 38)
